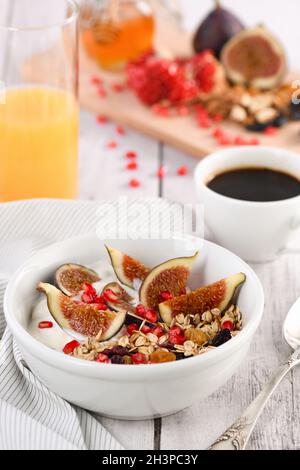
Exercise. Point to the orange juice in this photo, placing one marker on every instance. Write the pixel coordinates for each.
(38, 144)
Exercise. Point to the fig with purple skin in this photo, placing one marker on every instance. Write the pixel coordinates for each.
(255, 58)
(218, 295)
(170, 276)
(70, 278)
(127, 269)
(216, 30)
(85, 319)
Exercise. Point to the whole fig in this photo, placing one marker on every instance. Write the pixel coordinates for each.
(216, 30)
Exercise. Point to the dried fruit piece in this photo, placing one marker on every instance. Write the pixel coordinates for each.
(196, 335)
(139, 358)
(170, 276)
(220, 338)
(217, 295)
(85, 319)
(160, 356)
(255, 57)
(70, 278)
(216, 30)
(127, 269)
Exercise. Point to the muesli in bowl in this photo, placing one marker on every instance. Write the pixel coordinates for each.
(127, 313)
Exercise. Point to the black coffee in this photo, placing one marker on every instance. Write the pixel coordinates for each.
(255, 184)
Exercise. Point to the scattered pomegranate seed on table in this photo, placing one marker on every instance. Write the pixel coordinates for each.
(218, 132)
(102, 119)
(69, 347)
(118, 87)
(162, 171)
(43, 325)
(134, 183)
(112, 144)
(182, 111)
(132, 166)
(254, 141)
(96, 80)
(240, 140)
(101, 92)
(120, 130)
(131, 154)
(182, 170)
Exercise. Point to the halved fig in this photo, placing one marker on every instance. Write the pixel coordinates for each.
(85, 319)
(71, 277)
(127, 269)
(255, 57)
(217, 295)
(170, 276)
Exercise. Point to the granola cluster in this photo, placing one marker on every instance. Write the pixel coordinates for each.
(187, 336)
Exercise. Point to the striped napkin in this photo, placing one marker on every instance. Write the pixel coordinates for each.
(31, 416)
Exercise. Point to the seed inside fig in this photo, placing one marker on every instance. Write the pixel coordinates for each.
(71, 277)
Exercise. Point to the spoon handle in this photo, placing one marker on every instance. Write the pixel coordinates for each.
(236, 437)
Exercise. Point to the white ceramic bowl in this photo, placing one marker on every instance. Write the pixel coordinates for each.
(133, 392)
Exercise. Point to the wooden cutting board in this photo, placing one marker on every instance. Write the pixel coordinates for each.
(124, 108)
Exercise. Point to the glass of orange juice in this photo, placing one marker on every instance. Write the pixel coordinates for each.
(38, 100)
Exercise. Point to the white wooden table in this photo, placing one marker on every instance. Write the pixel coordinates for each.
(103, 176)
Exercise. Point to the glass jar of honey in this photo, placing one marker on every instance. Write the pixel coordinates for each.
(114, 32)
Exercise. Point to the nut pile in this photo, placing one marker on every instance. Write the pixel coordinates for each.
(187, 336)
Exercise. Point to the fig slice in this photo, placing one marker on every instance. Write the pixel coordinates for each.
(70, 278)
(256, 58)
(170, 276)
(84, 319)
(218, 295)
(127, 269)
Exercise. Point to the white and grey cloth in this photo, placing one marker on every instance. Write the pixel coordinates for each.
(31, 416)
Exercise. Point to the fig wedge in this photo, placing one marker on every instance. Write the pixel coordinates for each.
(127, 269)
(70, 278)
(218, 295)
(85, 319)
(170, 276)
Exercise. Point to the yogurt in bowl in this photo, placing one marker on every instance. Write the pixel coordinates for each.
(130, 392)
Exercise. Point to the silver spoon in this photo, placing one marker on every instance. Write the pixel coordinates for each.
(237, 435)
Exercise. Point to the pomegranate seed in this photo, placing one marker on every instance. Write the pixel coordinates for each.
(43, 325)
(225, 140)
(218, 132)
(140, 310)
(118, 87)
(102, 119)
(110, 295)
(162, 172)
(271, 130)
(146, 329)
(112, 144)
(95, 80)
(101, 92)
(131, 328)
(138, 358)
(131, 154)
(134, 183)
(162, 111)
(176, 335)
(182, 111)
(240, 141)
(101, 307)
(120, 130)
(254, 142)
(99, 300)
(166, 295)
(132, 166)
(151, 316)
(227, 325)
(87, 298)
(89, 289)
(217, 117)
(69, 348)
(103, 359)
(204, 122)
(158, 331)
(182, 170)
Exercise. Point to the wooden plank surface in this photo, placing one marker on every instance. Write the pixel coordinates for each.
(103, 177)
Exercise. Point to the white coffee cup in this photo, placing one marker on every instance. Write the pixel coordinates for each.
(256, 231)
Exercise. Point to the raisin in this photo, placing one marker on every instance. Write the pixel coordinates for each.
(117, 359)
(127, 360)
(221, 338)
(119, 351)
(295, 111)
(158, 357)
(197, 336)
